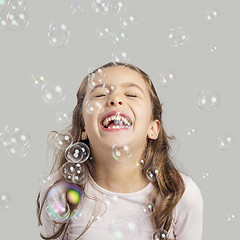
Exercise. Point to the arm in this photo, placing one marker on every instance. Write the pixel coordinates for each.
(189, 213)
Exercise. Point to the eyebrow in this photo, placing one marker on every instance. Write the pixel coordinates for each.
(123, 85)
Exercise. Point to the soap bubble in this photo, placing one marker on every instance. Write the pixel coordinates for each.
(18, 19)
(178, 36)
(213, 49)
(128, 20)
(3, 19)
(167, 78)
(152, 173)
(52, 93)
(100, 6)
(96, 78)
(58, 34)
(74, 172)
(141, 164)
(38, 80)
(190, 132)
(119, 36)
(77, 7)
(211, 15)
(62, 141)
(121, 153)
(206, 175)
(5, 200)
(104, 32)
(148, 209)
(78, 152)
(225, 141)
(93, 107)
(117, 7)
(230, 217)
(63, 118)
(120, 56)
(45, 180)
(160, 234)
(208, 100)
(17, 4)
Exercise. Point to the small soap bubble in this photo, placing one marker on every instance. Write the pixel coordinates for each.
(230, 217)
(77, 7)
(117, 7)
(208, 100)
(17, 4)
(225, 141)
(104, 32)
(5, 200)
(62, 141)
(121, 153)
(45, 180)
(58, 34)
(211, 15)
(93, 107)
(167, 78)
(78, 152)
(152, 173)
(178, 36)
(63, 118)
(128, 20)
(74, 172)
(96, 78)
(12, 20)
(120, 56)
(100, 6)
(119, 36)
(213, 49)
(140, 164)
(3, 18)
(190, 132)
(52, 93)
(38, 80)
(206, 175)
(160, 234)
(148, 209)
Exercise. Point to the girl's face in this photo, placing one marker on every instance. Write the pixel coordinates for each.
(125, 92)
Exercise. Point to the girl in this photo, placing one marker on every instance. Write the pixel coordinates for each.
(119, 167)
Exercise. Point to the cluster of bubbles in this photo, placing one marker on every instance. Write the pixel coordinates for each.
(167, 78)
(52, 93)
(13, 15)
(208, 100)
(15, 141)
(60, 197)
(5, 200)
(58, 34)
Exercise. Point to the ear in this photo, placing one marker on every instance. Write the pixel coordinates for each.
(154, 129)
(84, 136)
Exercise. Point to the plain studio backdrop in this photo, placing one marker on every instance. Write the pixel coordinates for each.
(197, 68)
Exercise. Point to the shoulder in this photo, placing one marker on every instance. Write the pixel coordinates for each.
(192, 196)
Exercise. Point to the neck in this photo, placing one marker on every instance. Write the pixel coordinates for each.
(119, 177)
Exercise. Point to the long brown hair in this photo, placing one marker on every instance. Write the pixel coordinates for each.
(169, 185)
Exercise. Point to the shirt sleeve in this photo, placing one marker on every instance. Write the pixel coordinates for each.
(48, 228)
(189, 213)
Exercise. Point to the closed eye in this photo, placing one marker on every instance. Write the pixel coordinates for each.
(130, 95)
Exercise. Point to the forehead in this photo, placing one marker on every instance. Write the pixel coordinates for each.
(119, 75)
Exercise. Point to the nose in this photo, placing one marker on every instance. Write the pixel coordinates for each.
(115, 99)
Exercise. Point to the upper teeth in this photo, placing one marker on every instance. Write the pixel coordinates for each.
(117, 118)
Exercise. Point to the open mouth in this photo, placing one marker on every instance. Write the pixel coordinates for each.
(116, 121)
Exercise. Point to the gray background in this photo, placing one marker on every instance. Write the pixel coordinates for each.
(24, 52)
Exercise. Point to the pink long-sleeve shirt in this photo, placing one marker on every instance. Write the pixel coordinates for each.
(126, 216)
